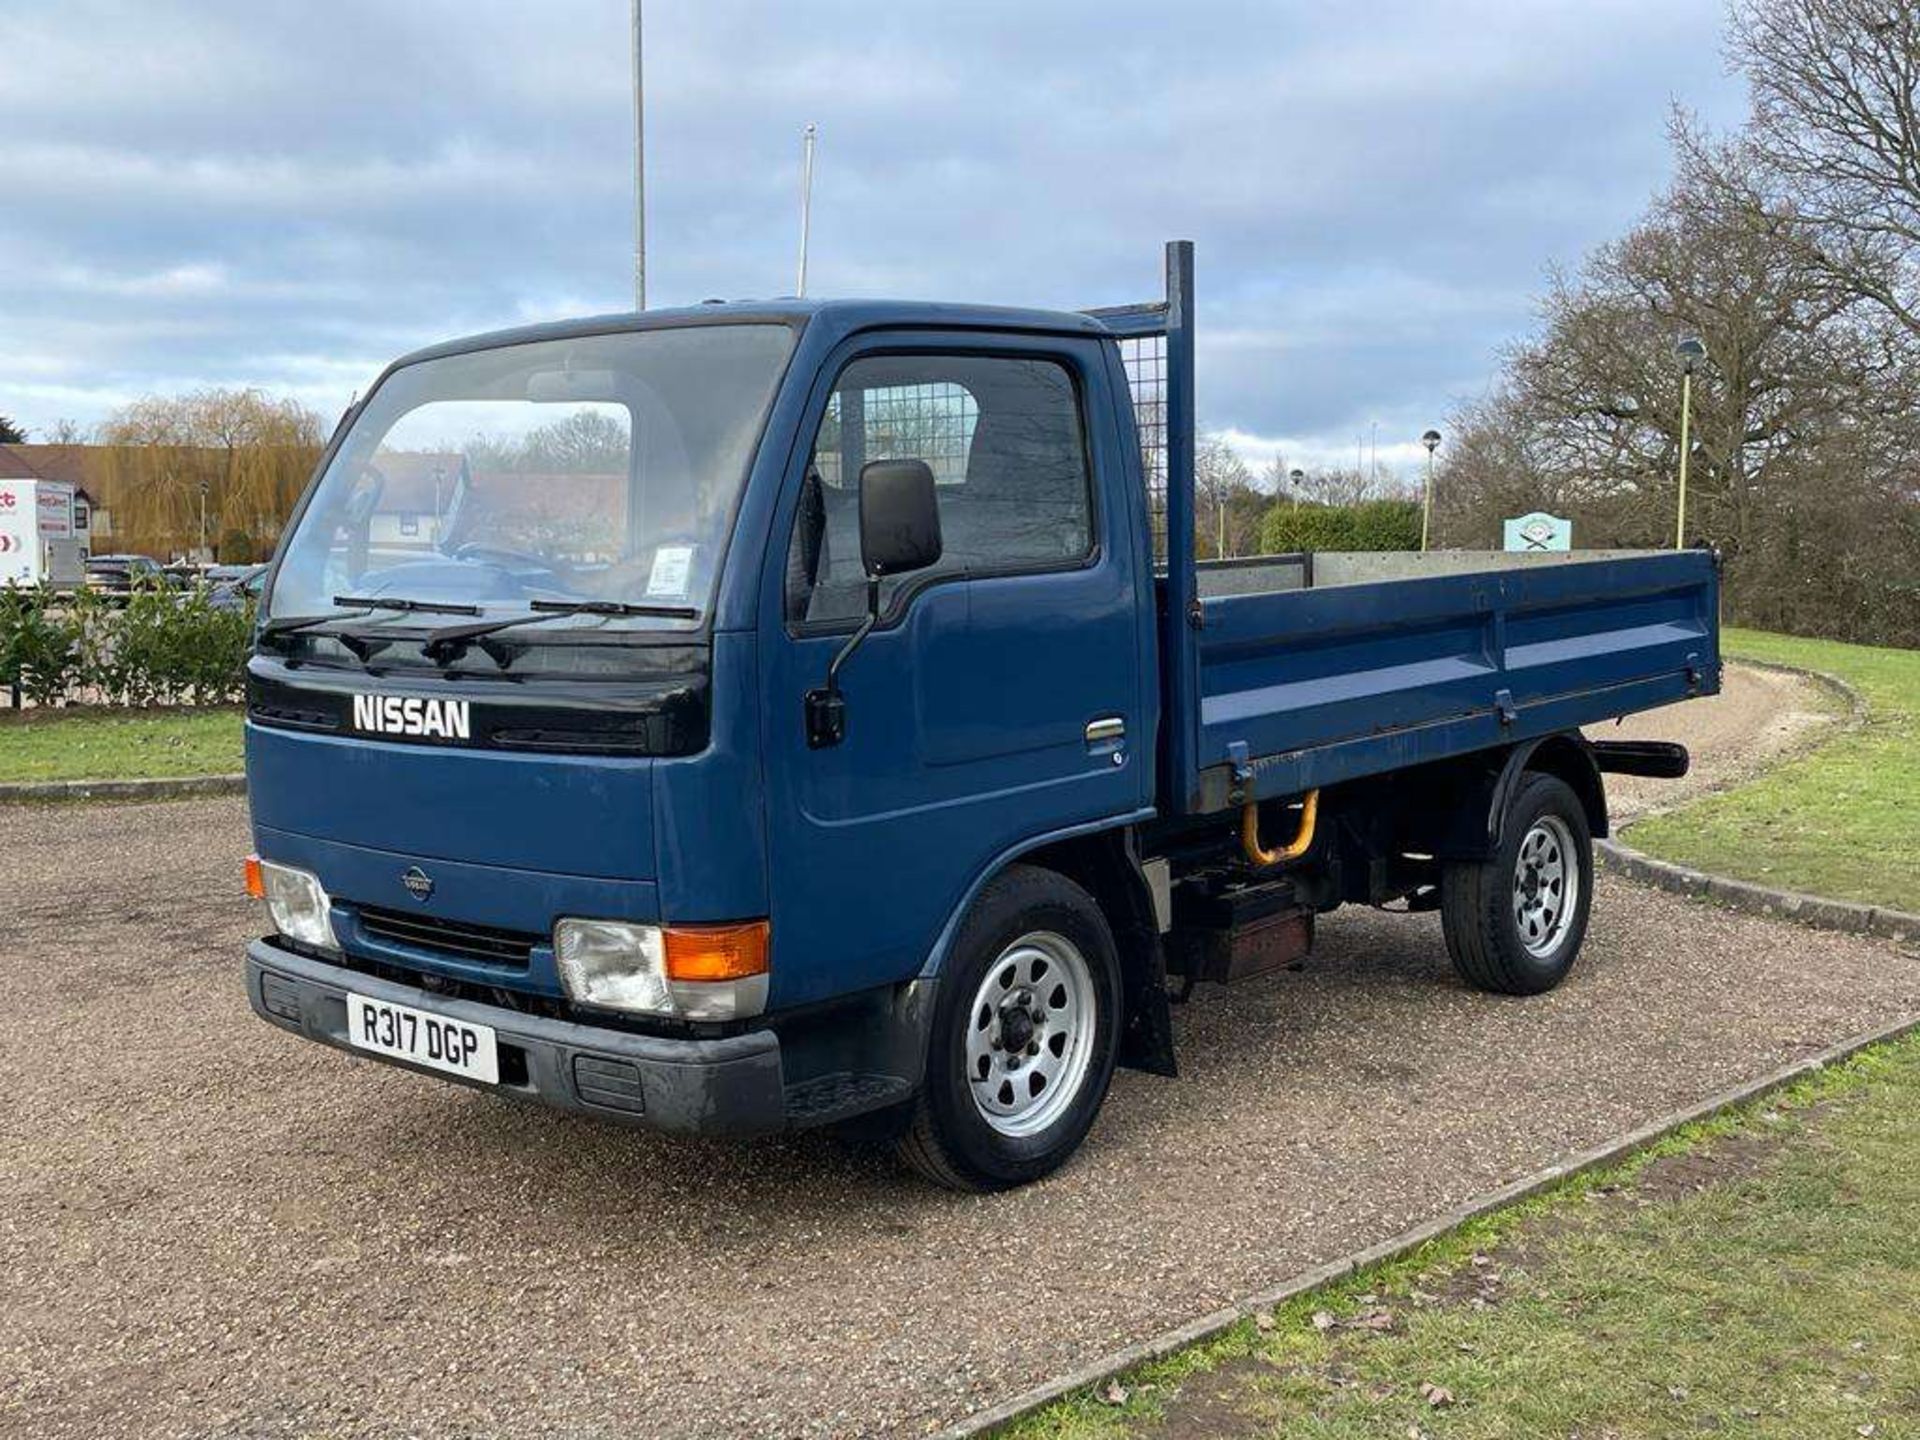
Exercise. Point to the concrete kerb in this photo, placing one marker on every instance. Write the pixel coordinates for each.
(1812, 910)
(172, 788)
(1855, 701)
(1120, 1361)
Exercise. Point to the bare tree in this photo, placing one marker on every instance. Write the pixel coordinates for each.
(1343, 486)
(584, 442)
(1803, 424)
(1836, 114)
(1230, 503)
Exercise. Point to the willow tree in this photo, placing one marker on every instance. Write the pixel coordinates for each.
(173, 469)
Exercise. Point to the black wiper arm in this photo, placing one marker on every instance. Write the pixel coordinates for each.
(450, 641)
(288, 624)
(613, 607)
(425, 607)
(354, 607)
(364, 644)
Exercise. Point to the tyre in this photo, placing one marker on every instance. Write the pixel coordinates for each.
(1025, 1030)
(1514, 923)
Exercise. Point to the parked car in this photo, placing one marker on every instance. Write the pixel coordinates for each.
(118, 574)
(868, 743)
(233, 587)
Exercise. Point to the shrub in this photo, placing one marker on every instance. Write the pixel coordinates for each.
(161, 647)
(174, 648)
(1370, 525)
(38, 645)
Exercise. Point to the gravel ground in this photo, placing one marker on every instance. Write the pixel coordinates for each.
(1758, 716)
(210, 1228)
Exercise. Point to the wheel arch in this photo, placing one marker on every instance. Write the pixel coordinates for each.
(1566, 757)
(1102, 859)
(1456, 809)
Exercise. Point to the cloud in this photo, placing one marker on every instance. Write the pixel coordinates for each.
(287, 195)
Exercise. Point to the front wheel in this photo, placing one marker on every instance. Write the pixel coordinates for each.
(1024, 1036)
(1514, 923)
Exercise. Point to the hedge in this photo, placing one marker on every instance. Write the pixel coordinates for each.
(1370, 525)
(158, 646)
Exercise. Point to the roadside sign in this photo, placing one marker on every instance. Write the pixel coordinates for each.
(54, 504)
(18, 552)
(1539, 531)
(38, 541)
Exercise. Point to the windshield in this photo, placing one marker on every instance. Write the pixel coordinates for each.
(599, 473)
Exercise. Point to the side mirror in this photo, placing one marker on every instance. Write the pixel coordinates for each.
(899, 533)
(899, 517)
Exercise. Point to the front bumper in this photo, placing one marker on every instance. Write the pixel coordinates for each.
(732, 1086)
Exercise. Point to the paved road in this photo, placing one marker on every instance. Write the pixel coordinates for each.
(209, 1228)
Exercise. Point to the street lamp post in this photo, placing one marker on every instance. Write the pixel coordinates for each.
(1690, 352)
(1432, 441)
(639, 172)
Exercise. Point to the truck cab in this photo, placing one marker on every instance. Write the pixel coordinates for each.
(768, 715)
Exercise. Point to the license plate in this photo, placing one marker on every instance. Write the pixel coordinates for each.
(458, 1047)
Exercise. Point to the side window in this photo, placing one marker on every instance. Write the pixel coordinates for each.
(1007, 450)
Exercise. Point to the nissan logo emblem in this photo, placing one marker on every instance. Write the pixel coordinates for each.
(419, 884)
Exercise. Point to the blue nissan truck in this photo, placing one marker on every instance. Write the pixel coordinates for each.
(771, 715)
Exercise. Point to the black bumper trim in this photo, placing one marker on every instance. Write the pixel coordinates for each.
(730, 1086)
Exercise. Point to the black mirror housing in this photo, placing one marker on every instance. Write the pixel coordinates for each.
(899, 517)
(899, 533)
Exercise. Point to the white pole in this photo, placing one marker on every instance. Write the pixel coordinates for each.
(639, 173)
(806, 202)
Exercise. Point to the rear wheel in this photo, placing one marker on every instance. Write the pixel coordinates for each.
(1514, 923)
(1024, 1035)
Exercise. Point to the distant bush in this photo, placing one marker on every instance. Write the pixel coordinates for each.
(237, 547)
(1370, 525)
(158, 646)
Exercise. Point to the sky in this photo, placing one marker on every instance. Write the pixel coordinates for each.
(287, 195)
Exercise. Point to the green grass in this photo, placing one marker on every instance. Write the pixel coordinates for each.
(1842, 821)
(1756, 1274)
(118, 744)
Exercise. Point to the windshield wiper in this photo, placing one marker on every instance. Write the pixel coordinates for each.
(450, 641)
(383, 602)
(356, 607)
(288, 624)
(613, 607)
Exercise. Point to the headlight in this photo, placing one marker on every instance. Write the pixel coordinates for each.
(298, 905)
(613, 964)
(705, 972)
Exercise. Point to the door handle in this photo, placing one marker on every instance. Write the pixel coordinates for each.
(1106, 728)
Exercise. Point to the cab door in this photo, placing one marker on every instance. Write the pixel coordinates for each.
(1002, 695)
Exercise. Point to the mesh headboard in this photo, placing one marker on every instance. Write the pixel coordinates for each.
(1146, 362)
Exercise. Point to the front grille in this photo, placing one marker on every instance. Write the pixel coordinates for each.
(486, 943)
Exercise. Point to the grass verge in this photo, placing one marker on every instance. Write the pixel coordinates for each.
(118, 744)
(1755, 1274)
(1842, 821)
